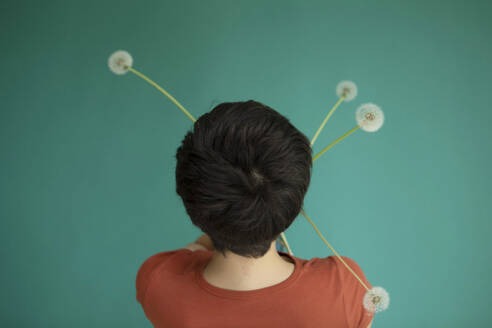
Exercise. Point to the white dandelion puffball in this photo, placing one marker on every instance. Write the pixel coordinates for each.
(376, 299)
(347, 88)
(369, 117)
(120, 61)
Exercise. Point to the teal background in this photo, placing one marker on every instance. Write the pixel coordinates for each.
(87, 157)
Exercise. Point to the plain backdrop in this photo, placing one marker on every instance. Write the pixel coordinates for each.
(87, 164)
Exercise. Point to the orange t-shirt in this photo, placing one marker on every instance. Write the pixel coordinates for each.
(321, 292)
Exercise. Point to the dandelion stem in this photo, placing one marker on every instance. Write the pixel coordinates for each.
(158, 87)
(326, 119)
(320, 153)
(302, 211)
(286, 243)
(334, 142)
(281, 242)
(333, 250)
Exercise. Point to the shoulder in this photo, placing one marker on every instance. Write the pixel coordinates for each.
(147, 269)
(345, 272)
(353, 291)
(331, 274)
(334, 264)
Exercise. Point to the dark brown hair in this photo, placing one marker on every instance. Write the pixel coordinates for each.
(243, 173)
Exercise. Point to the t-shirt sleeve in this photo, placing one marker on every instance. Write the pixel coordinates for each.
(146, 271)
(353, 293)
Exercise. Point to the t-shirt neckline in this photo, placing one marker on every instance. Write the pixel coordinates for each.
(242, 294)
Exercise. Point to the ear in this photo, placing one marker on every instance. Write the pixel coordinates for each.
(196, 247)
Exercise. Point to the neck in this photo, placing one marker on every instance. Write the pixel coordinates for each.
(239, 271)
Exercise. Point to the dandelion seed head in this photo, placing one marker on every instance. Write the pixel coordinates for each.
(369, 117)
(376, 299)
(120, 61)
(347, 88)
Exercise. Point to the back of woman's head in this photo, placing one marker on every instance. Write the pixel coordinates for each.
(243, 173)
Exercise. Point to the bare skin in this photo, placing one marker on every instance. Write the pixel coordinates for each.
(240, 273)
